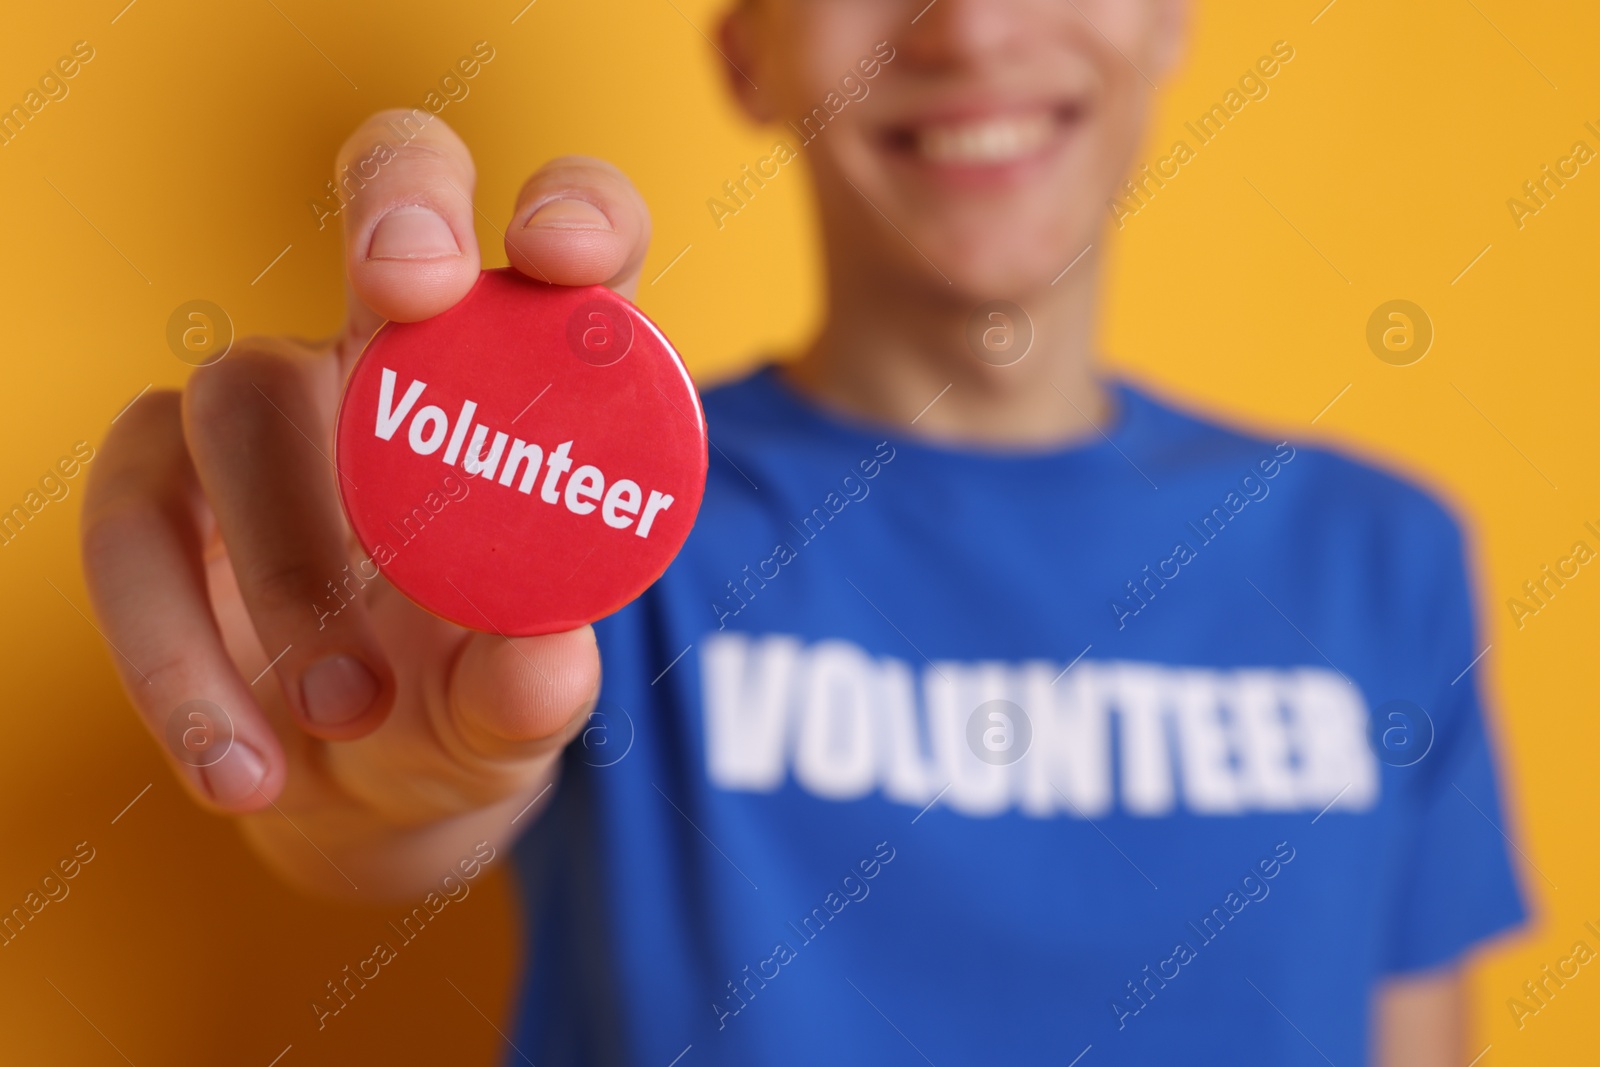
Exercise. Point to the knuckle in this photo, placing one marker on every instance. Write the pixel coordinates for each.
(489, 782)
(385, 117)
(407, 136)
(386, 124)
(139, 451)
(462, 787)
(426, 154)
(224, 400)
(218, 382)
(151, 413)
(147, 423)
(283, 585)
(173, 671)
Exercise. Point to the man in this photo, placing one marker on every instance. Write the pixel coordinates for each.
(991, 714)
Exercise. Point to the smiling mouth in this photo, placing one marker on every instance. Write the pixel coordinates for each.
(993, 140)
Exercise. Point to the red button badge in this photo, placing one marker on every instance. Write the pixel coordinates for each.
(526, 462)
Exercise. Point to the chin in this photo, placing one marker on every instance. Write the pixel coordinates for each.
(977, 281)
(1000, 257)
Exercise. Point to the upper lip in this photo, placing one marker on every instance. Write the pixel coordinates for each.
(977, 109)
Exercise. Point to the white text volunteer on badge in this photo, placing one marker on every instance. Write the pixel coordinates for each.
(587, 488)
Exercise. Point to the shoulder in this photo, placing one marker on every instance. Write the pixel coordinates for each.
(1328, 490)
(1329, 530)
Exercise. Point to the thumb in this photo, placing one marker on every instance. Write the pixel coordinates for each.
(517, 699)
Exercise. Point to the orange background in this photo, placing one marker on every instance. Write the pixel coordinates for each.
(180, 165)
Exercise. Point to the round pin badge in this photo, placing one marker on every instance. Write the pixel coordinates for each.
(526, 462)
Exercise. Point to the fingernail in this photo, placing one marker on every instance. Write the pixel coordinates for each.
(412, 232)
(233, 779)
(337, 689)
(565, 214)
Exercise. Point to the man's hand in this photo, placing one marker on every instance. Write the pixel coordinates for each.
(212, 529)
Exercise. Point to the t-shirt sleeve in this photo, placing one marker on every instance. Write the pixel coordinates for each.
(1456, 886)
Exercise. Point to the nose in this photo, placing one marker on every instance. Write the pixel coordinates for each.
(954, 33)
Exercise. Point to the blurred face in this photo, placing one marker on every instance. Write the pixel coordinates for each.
(990, 133)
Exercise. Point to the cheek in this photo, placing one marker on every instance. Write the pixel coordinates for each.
(824, 40)
(1130, 27)
(1112, 141)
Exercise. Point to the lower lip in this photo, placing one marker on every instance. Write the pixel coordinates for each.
(988, 176)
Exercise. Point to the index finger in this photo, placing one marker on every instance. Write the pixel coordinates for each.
(405, 182)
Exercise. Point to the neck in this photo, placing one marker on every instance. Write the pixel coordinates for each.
(899, 355)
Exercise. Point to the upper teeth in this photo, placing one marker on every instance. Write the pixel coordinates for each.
(995, 140)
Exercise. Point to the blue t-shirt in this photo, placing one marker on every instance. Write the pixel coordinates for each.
(1163, 748)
